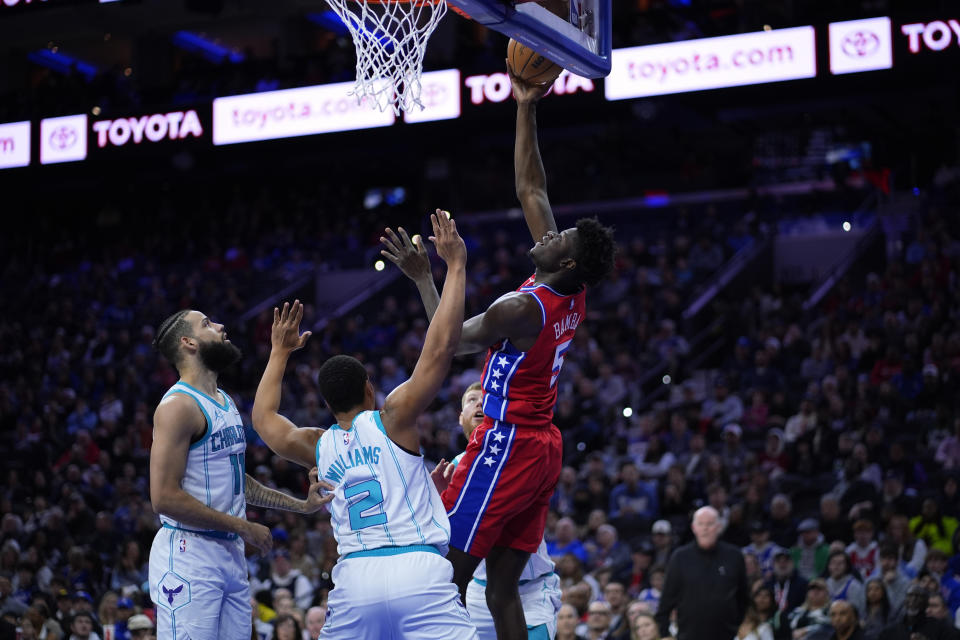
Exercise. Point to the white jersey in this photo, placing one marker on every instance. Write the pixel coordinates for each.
(384, 496)
(215, 473)
(538, 566)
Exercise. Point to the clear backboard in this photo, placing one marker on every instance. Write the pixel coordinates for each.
(581, 44)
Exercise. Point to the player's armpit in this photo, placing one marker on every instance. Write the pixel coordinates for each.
(515, 316)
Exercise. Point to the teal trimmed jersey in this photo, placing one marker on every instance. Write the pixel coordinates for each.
(215, 472)
(384, 496)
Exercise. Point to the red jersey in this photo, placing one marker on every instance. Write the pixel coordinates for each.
(520, 387)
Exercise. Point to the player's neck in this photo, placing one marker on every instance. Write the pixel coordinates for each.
(556, 282)
(202, 379)
(345, 420)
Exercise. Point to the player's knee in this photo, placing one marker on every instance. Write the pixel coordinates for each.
(500, 596)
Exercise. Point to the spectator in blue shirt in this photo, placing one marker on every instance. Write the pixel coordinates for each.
(632, 497)
(566, 541)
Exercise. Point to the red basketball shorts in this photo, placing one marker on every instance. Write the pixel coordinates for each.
(500, 492)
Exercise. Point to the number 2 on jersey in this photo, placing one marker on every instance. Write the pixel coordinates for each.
(558, 360)
(373, 500)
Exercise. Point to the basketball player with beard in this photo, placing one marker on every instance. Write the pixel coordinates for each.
(197, 571)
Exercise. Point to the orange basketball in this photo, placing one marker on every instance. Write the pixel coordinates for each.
(530, 65)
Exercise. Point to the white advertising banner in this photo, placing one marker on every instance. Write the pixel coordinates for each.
(14, 145)
(712, 63)
(293, 112)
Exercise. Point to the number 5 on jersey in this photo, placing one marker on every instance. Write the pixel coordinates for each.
(558, 360)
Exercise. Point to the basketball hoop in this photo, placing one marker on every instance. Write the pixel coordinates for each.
(390, 37)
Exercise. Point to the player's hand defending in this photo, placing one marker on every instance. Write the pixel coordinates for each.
(315, 500)
(410, 255)
(526, 92)
(258, 537)
(442, 474)
(285, 333)
(448, 242)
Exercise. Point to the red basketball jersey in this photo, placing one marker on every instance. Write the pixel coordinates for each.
(520, 387)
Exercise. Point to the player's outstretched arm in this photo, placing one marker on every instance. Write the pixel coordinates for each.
(282, 436)
(411, 257)
(175, 421)
(261, 496)
(405, 403)
(529, 176)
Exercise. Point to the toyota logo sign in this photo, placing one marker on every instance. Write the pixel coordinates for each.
(433, 94)
(860, 44)
(63, 138)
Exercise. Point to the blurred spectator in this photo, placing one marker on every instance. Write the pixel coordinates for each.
(915, 622)
(566, 541)
(724, 408)
(863, 551)
(81, 627)
(762, 547)
(140, 627)
(315, 618)
(934, 529)
(811, 620)
(892, 577)
(878, 613)
(286, 627)
(567, 623)
(845, 621)
(789, 589)
(661, 534)
(632, 498)
(842, 584)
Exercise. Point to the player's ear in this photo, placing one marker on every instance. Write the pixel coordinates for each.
(568, 264)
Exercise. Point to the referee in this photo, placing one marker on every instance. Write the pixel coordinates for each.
(706, 584)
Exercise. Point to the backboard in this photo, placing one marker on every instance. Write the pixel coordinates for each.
(581, 44)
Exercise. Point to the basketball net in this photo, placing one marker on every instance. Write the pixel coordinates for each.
(390, 37)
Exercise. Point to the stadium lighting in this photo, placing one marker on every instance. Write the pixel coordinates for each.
(61, 62)
(627, 412)
(667, 379)
(379, 265)
(846, 226)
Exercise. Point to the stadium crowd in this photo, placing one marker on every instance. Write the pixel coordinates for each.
(828, 442)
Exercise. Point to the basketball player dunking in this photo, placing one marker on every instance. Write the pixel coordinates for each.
(198, 575)
(498, 497)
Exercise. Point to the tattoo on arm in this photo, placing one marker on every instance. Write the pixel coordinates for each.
(261, 496)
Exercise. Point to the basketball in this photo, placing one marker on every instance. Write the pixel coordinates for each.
(530, 65)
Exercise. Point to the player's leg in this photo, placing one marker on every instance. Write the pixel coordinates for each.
(504, 567)
(464, 565)
(236, 612)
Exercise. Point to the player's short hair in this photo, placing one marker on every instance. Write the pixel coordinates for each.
(342, 381)
(595, 251)
(476, 386)
(167, 340)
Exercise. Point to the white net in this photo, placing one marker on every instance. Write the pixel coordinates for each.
(390, 37)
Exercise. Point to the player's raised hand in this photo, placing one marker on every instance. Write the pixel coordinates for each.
(408, 254)
(285, 333)
(257, 536)
(445, 238)
(316, 499)
(524, 91)
(442, 474)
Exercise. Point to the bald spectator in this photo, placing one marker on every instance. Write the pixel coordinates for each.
(566, 541)
(315, 618)
(706, 585)
(843, 617)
